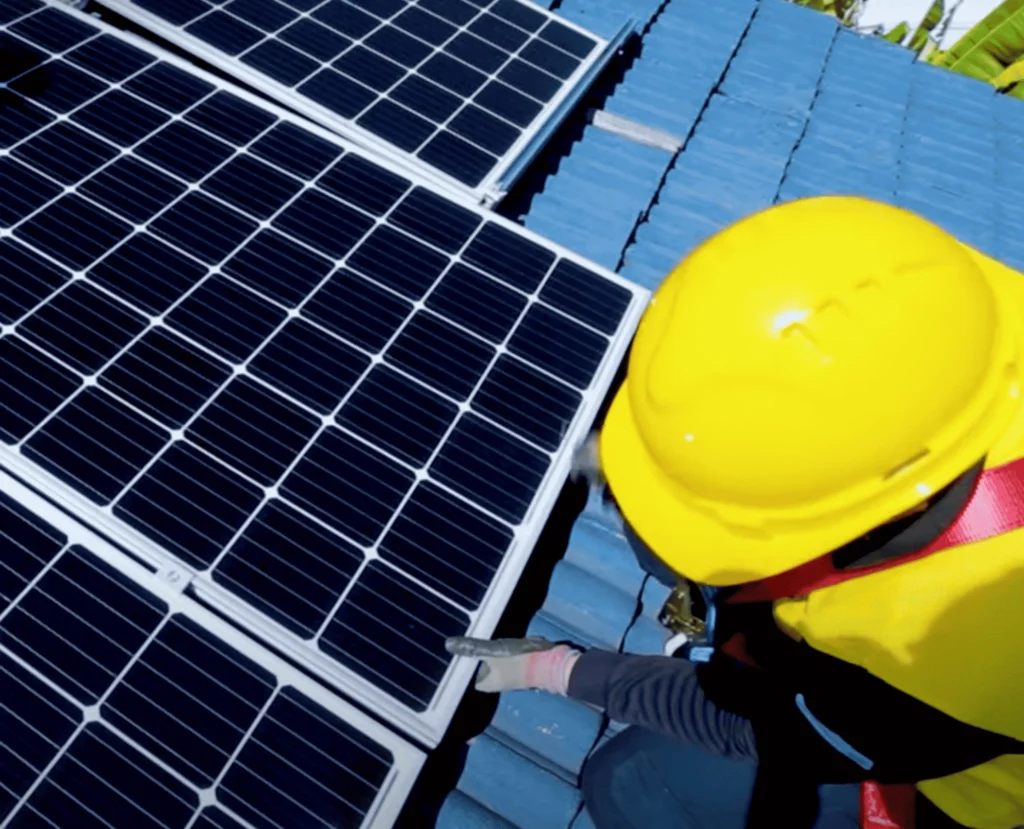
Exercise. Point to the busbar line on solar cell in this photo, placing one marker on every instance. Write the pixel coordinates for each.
(333, 406)
(466, 90)
(125, 704)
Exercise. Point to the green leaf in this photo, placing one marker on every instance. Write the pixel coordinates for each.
(1010, 76)
(934, 16)
(927, 54)
(918, 41)
(897, 33)
(991, 45)
(837, 8)
(844, 8)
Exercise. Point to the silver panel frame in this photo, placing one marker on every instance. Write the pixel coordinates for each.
(510, 166)
(427, 727)
(168, 586)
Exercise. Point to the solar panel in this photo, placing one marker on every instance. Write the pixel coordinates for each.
(126, 705)
(467, 88)
(343, 402)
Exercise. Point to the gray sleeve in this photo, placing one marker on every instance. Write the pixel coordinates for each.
(663, 694)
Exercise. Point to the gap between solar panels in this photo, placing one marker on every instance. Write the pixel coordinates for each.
(467, 91)
(341, 402)
(127, 705)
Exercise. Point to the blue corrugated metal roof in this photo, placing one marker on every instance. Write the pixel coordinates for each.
(537, 742)
(774, 102)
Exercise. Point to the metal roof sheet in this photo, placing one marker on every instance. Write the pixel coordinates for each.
(773, 102)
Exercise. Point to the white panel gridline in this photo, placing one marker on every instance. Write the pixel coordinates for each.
(508, 163)
(144, 739)
(428, 725)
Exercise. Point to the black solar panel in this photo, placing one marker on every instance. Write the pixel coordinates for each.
(331, 391)
(126, 708)
(460, 85)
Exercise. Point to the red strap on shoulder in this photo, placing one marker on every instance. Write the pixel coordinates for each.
(995, 507)
(736, 647)
(887, 807)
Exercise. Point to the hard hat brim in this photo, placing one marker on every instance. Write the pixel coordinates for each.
(691, 542)
(694, 542)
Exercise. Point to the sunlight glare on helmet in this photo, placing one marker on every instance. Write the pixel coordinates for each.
(787, 318)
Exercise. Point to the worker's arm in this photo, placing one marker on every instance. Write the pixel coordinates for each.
(825, 720)
(669, 695)
(656, 692)
(828, 720)
(662, 694)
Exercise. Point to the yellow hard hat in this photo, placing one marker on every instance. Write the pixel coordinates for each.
(802, 377)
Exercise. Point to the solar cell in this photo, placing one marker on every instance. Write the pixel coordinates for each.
(467, 90)
(128, 706)
(343, 400)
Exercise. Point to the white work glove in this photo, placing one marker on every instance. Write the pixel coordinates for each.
(586, 463)
(518, 664)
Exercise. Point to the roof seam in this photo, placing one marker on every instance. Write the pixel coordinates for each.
(645, 214)
(810, 113)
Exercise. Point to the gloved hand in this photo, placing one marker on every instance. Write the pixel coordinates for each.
(586, 462)
(518, 664)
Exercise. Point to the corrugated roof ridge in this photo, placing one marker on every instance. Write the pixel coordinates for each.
(695, 199)
(686, 139)
(594, 600)
(607, 180)
(870, 117)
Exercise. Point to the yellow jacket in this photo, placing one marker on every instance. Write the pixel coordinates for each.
(949, 630)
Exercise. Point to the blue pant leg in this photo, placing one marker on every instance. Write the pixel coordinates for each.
(644, 780)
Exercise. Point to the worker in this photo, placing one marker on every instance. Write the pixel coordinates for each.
(820, 428)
